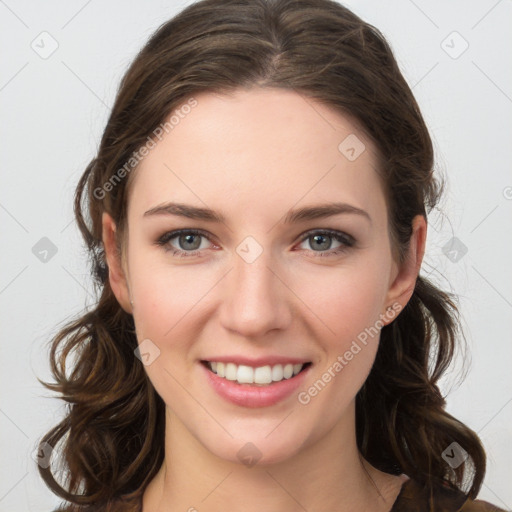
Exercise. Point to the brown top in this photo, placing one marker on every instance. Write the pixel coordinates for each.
(446, 498)
(411, 498)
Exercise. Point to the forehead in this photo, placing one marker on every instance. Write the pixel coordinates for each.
(259, 150)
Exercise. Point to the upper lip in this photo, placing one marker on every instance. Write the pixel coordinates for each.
(258, 361)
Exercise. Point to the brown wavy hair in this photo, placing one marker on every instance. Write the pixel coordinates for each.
(110, 443)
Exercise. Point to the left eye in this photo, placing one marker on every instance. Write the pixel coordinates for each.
(323, 241)
(189, 242)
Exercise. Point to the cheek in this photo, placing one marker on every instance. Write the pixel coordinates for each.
(346, 300)
(163, 295)
(168, 312)
(350, 313)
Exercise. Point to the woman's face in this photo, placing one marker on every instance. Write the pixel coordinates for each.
(278, 281)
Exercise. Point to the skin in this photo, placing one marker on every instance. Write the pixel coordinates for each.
(252, 156)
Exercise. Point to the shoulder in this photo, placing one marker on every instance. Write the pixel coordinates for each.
(444, 497)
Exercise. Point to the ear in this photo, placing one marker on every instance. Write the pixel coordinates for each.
(404, 275)
(116, 274)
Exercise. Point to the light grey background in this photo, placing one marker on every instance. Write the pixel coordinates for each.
(54, 110)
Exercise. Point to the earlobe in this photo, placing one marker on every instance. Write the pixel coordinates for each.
(116, 274)
(404, 282)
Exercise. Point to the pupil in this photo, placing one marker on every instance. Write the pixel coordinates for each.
(325, 244)
(186, 239)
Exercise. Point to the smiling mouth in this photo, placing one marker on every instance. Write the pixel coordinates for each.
(260, 376)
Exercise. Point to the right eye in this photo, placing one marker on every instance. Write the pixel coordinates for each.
(188, 239)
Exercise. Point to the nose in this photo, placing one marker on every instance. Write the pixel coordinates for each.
(256, 298)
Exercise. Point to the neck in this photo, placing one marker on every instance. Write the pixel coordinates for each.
(328, 474)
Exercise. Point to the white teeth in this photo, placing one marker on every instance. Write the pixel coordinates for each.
(261, 375)
(277, 372)
(230, 371)
(245, 374)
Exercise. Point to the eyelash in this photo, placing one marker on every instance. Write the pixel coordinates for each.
(347, 241)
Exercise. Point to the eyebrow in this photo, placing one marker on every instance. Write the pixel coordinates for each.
(293, 216)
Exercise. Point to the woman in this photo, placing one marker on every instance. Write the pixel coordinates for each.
(257, 222)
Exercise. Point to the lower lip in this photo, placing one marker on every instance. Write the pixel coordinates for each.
(247, 395)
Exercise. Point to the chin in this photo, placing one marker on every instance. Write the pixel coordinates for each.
(259, 449)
